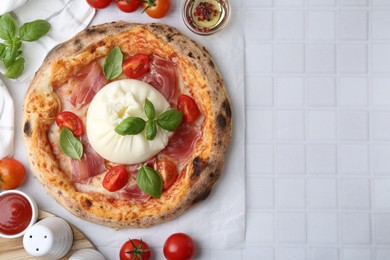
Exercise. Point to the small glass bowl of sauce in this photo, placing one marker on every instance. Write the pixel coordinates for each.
(205, 17)
(18, 213)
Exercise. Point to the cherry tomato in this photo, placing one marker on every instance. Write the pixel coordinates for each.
(179, 246)
(134, 249)
(168, 171)
(189, 109)
(99, 4)
(12, 174)
(115, 179)
(157, 8)
(128, 6)
(136, 66)
(71, 121)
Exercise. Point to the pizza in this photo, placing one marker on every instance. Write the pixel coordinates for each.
(127, 125)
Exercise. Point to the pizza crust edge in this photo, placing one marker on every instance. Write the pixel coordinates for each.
(42, 105)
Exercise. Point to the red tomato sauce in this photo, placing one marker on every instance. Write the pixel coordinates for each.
(16, 214)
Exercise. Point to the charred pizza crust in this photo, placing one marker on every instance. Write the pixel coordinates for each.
(198, 72)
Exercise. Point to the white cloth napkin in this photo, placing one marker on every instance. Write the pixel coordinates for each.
(6, 123)
(67, 17)
(9, 5)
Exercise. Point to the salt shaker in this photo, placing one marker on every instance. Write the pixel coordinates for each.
(87, 254)
(51, 238)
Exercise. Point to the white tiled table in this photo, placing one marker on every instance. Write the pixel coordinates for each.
(318, 129)
(317, 82)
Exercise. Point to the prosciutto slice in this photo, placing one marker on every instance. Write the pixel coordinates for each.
(132, 169)
(163, 78)
(133, 192)
(91, 164)
(89, 81)
(182, 142)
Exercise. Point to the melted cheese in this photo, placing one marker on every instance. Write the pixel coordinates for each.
(115, 102)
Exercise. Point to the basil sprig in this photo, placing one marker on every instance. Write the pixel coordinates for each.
(112, 66)
(149, 181)
(149, 109)
(169, 120)
(11, 47)
(151, 130)
(32, 31)
(15, 68)
(70, 145)
(131, 126)
(7, 27)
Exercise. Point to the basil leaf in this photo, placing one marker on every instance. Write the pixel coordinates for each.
(170, 120)
(32, 31)
(150, 130)
(130, 126)
(7, 27)
(149, 109)
(16, 69)
(149, 181)
(70, 145)
(11, 53)
(112, 66)
(2, 51)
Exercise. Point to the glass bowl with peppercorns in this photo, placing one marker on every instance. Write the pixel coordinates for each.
(205, 17)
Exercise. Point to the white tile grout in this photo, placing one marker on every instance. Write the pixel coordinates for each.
(339, 142)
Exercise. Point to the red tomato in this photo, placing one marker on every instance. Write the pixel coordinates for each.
(134, 249)
(168, 172)
(157, 8)
(71, 121)
(12, 174)
(189, 109)
(128, 6)
(99, 4)
(115, 179)
(136, 66)
(179, 246)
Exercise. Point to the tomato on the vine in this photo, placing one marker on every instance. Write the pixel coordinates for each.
(157, 8)
(128, 6)
(135, 249)
(136, 66)
(71, 121)
(179, 246)
(189, 108)
(12, 173)
(115, 179)
(168, 171)
(99, 4)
